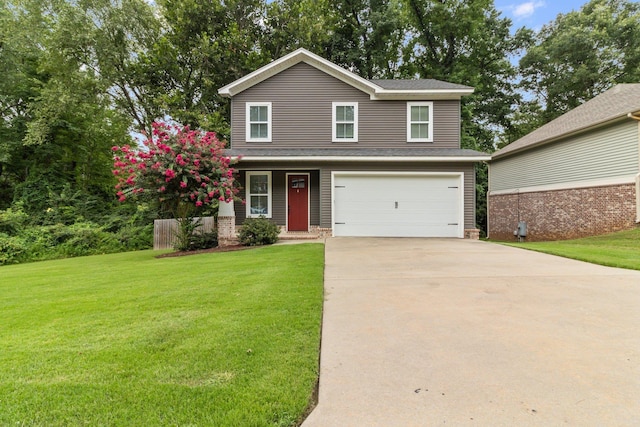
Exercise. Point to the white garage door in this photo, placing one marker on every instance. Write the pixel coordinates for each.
(398, 205)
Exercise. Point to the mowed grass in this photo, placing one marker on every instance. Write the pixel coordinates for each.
(620, 249)
(224, 339)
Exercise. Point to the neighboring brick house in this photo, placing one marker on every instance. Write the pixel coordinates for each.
(327, 151)
(576, 176)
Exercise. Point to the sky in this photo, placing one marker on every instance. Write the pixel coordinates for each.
(535, 13)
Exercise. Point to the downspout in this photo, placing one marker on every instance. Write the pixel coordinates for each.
(636, 116)
(638, 198)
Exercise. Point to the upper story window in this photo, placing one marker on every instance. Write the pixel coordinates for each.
(259, 194)
(345, 122)
(259, 121)
(420, 122)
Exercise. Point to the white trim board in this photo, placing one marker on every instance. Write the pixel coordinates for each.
(568, 185)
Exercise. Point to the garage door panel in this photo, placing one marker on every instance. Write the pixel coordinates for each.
(397, 205)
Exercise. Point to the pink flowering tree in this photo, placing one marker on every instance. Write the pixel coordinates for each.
(185, 170)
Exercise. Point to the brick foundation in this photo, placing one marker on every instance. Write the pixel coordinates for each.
(563, 214)
(472, 233)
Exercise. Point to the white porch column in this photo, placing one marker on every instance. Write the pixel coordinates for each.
(226, 224)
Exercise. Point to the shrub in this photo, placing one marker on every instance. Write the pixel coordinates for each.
(12, 249)
(13, 220)
(203, 241)
(258, 231)
(88, 239)
(133, 238)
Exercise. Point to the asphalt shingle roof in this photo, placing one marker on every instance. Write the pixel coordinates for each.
(613, 104)
(417, 84)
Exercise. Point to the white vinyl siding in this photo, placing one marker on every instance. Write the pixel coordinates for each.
(420, 121)
(602, 154)
(259, 194)
(258, 121)
(345, 121)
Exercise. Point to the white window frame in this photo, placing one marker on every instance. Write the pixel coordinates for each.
(409, 122)
(249, 194)
(334, 122)
(248, 121)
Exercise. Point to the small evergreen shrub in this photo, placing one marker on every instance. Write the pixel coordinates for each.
(203, 241)
(258, 231)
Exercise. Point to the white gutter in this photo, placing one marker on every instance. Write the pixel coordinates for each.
(364, 158)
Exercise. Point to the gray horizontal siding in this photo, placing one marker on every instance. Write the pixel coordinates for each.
(321, 194)
(605, 153)
(301, 98)
(279, 195)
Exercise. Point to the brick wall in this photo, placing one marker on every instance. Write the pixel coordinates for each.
(563, 214)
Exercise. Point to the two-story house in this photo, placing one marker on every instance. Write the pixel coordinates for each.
(325, 150)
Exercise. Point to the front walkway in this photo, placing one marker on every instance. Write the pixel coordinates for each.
(423, 332)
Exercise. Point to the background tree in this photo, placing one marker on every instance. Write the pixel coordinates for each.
(467, 43)
(58, 124)
(580, 55)
(367, 37)
(292, 24)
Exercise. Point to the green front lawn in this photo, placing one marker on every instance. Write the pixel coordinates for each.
(620, 249)
(223, 339)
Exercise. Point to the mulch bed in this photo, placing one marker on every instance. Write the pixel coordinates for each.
(207, 251)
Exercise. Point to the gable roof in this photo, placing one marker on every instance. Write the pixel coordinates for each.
(615, 104)
(377, 89)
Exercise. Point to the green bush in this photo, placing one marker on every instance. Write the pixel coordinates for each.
(13, 220)
(87, 239)
(203, 241)
(12, 249)
(258, 231)
(134, 238)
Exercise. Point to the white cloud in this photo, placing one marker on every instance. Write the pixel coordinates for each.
(526, 9)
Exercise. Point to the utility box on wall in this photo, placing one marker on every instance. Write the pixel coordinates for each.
(521, 231)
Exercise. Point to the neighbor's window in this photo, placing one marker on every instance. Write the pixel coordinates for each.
(259, 121)
(258, 194)
(420, 122)
(345, 122)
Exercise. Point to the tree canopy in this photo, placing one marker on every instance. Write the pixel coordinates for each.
(82, 76)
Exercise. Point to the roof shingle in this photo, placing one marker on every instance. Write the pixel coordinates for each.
(417, 84)
(613, 104)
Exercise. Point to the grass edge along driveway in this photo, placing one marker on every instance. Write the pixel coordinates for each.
(621, 249)
(225, 339)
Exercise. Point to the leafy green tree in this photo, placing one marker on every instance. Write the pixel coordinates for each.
(205, 45)
(292, 24)
(467, 43)
(367, 37)
(57, 125)
(581, 54)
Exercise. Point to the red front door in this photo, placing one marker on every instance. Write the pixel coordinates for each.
(298, 197)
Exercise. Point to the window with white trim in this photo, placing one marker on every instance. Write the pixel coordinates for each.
(345, 121)
(420, 121)
(259, 121)
(258, 189)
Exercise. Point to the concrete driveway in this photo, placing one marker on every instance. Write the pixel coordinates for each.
(427, 332)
